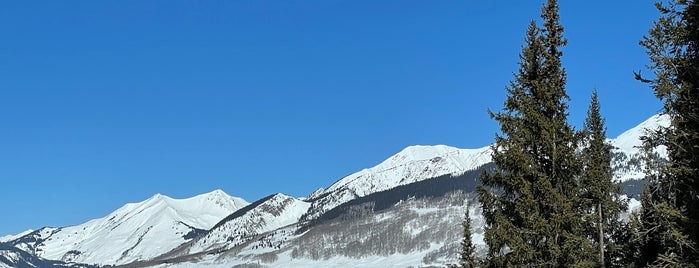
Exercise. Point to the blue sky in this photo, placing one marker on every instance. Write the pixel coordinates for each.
(104, 103)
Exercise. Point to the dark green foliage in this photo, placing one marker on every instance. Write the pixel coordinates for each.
(431, 188)
(633, 188)
(629, 252)
(669, 222)
(531, 203)
(601, 197)
(467, 258)
(194, 232)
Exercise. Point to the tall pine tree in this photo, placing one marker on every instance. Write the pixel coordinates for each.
(602, 202)
(530, 203)
(670, 205)
(467, 258)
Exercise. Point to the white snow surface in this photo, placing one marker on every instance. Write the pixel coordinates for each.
(276, 212)
(412, 164)
(413, 259)
(12, 257)
(275, 248)
(137, 231)
(629, 141)
(15, 236)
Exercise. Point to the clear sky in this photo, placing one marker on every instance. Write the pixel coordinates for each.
(108, 102)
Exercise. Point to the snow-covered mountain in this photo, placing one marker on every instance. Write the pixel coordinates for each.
(267, 214)
(361, 215)
(136, 231)
(421, 232)
(416, 163)
(412, 225)
(358, 216)
(15, 236)
(412, 164)
(11, 257)
(627, 161)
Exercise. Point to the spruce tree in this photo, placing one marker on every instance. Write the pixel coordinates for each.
(670, 205)
(602, 198)
(530, 203)
(467, 258)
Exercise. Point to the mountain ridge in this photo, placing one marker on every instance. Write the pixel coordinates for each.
(193, 231)
(132, 232)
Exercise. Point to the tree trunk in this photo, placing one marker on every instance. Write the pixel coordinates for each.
(601, 235)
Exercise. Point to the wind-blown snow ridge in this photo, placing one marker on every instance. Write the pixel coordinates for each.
(15, 236)
(267, 214)
(136, 231)
(437, 156)
(629, 141)
(412, 164)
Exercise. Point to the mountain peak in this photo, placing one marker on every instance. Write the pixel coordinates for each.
(280, 195)
(435, 153)
(424, 152)
(159, 196)
(412, 164)
(218, 192)
(136, 231)
(629, 141)
(157, 199)
(14, 236)
(628, 163)
(215, 194)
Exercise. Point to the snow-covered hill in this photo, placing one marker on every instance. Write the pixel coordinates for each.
(15, 236)
(414, 233)
(267, 214)
(413, 225)
(627, 161)
(416, 163)
(12, 257)
(136, 231)
(412, 164)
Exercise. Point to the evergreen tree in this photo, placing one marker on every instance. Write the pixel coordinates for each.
(602, 202)
(531, 201)
(670, 214)
(467, 259)
(624, 252)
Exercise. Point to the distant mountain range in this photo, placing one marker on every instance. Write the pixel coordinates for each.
(136, 231)
(405, 211)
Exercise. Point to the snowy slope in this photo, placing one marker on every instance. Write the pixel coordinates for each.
(422, 232)
(265, 215)
(13, 257)
(627, 162)
(13, 237)
(416, 163)
(142, 231)
(411, 231)
(136, 231)
(629, 141)
(412, 164)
